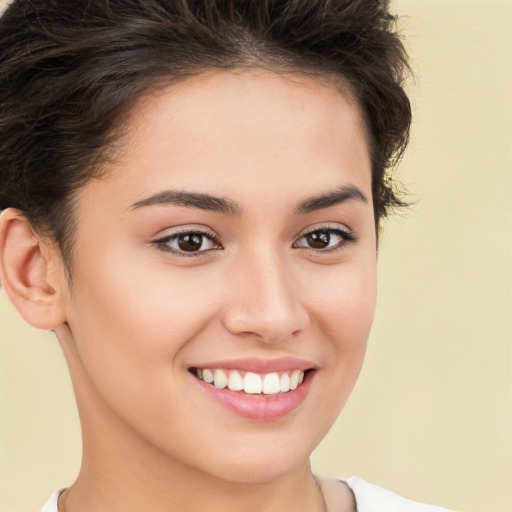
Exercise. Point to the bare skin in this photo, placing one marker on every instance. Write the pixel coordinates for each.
(258, 284)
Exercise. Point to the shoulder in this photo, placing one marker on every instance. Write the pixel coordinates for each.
(368, 497)
(371, 498)
(51, 504)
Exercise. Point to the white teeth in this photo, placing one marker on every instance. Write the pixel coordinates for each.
(208, 376)
(294, 379)
(271, 384)
(220, 379)
(235, 381)
(284, 384)
(252, 383)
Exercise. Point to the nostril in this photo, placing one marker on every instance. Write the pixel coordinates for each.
(266, 328)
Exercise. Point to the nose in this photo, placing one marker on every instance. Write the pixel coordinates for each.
(265, 302)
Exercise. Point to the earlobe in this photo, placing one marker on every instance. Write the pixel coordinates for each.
(28, 272)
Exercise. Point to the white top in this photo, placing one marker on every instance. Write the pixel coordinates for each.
(369, 498)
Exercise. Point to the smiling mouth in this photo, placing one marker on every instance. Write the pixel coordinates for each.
(251, 383)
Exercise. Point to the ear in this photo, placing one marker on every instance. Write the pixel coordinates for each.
(31, 272)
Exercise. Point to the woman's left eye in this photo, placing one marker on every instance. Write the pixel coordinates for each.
(188, 243)
(325, 239)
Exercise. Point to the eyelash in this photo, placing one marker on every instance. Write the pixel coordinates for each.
(345, 236)
(163, 243)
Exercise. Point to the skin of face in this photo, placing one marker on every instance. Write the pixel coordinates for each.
(138, 316)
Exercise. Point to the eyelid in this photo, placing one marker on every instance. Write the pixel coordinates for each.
(184, 228)
(329, 226)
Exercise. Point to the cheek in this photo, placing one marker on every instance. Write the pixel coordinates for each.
(143, 305)
(132, 324)
(345, 303)
(345, 309)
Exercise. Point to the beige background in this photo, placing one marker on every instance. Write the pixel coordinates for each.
(431, 417)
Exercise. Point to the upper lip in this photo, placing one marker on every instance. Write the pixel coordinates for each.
(260, 365)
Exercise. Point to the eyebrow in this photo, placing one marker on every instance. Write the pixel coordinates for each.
(340, 195)
(191, 200)
(226, 206)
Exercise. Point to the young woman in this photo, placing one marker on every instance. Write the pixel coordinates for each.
(192, 193)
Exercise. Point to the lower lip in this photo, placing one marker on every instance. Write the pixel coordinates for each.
(259, 407)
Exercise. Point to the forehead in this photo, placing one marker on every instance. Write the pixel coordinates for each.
(279, 129)
(253, 98)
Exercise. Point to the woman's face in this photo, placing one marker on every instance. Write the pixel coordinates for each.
(234, 240)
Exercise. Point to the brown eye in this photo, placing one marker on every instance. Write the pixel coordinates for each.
(188, 243)
(325, 239)
(318, 239)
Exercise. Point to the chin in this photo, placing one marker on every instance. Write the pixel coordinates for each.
(271, 470)
(257, 463)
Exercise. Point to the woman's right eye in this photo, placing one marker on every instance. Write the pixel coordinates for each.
(189, 243)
